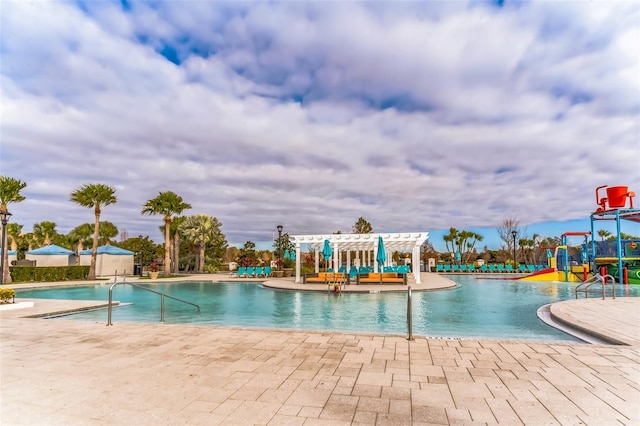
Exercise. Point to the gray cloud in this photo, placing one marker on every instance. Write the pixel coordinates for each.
(414, 115)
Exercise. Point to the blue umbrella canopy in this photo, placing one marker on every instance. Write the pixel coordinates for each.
(286, 254)
(292, 255)
(327, 251)
(381, 256)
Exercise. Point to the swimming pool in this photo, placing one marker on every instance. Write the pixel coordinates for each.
(476, 308)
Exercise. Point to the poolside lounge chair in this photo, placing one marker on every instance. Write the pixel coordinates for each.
(455, 268)
(267, 271)
(447, 268)
(463, 268)
(484, 268)
(238, 273)
(258, 271)
(509, 268)
(471, 268)
(522, 268)
(249, 273)
(500, 268)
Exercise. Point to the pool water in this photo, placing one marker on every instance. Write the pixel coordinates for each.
(476, 308)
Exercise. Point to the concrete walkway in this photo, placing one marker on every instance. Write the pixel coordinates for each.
(74, 373)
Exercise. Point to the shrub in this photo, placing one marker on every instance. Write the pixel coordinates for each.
(7, 295)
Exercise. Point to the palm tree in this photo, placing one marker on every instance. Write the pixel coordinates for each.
(200, 229)
(9, 193)
(603, 234)
(94, 196)
(166, 204)
(174, 235)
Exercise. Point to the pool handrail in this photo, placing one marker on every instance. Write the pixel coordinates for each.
(162, 296)
(603, 279)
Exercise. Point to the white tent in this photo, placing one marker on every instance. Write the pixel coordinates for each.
(52, 255)
(109, 260)
(364, 247)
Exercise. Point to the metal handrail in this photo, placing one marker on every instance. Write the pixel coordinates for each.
(594, 280)
(162, 296)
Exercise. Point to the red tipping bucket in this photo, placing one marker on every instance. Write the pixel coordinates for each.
(617, 196)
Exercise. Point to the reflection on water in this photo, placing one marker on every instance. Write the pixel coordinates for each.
(476, 308)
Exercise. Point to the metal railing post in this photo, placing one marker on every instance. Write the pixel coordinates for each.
(109, 308)
(409, 313)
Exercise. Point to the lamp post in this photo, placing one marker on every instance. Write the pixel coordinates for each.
(4, 218)
(515, 265)
(279, 228)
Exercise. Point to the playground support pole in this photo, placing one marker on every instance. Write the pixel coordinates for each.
(619, 242)
(594, 268)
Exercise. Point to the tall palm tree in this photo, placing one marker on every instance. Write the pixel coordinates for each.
(166, 204)
(94, 196)
(9, 193)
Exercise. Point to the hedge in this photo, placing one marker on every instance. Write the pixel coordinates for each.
(48, 273)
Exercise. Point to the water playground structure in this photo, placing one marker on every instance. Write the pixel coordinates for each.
(618, 258)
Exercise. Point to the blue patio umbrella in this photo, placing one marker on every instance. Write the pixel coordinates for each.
(292, 255)
(458, 256)
(327, 251)
(286, 254)
(381, 256)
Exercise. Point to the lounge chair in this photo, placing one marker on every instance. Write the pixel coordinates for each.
(447, 268)
(484, 268)
(471, 268)
(500, 268)
(439, 268)
(267, 271)
(463, 268)
(258, 271)
(238, 273)
(250, 272)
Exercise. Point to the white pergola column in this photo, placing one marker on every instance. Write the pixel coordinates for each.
(317, 265)
(336, 258)
(348, 261)
(415, 261)
(298, 262)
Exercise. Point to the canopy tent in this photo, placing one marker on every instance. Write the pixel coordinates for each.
(109, 259)
(52, 255)
(365, 247)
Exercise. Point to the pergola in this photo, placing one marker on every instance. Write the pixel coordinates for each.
(364, 248)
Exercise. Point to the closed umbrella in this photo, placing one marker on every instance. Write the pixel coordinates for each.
(381, 256)
(327, 251)
(286, 254)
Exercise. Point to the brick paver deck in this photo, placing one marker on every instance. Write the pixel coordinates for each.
(74, 373)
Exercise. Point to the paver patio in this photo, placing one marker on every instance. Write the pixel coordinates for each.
(74, 373)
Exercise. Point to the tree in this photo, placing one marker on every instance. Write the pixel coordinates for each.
(509, 224)
(94, 196)
(603, 234)
(247, 254)
(200, 229)
(362, 227)
(9, 193)
(143, 247)
(174, 235)
(166, 204)
(44, 233)
(462, 242)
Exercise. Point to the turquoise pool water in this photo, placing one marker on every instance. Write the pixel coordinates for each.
(476, 308)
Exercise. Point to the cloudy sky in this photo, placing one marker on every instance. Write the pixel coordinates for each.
(414, 115)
